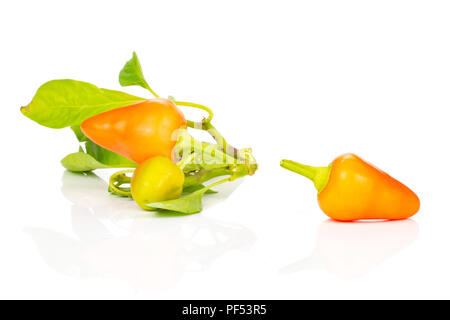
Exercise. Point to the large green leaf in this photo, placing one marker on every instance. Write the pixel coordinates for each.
(132, 75)
(63, 103)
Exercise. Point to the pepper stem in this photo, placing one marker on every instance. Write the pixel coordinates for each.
(185, 161)
(318, 175)
(117, 179)
(198, 106)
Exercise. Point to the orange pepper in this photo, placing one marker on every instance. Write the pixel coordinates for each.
(353, 189)
(139, 131)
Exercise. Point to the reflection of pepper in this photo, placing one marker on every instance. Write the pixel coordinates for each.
(139, 131)
(351, 189)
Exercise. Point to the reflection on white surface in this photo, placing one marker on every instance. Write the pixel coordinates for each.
(112, 237)
(352, 249)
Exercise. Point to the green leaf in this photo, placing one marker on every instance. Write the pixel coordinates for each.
(189, 204)
(107, 157)
(132, 75)
(81, 162)
(63, 103)
(78, 133)
(191, 189)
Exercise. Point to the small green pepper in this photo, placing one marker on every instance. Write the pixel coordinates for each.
(156, 179)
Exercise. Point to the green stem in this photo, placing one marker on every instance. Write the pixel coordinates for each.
(223, 144)
(117, 179)
(186, 141)
(205, 175)
(207, 126)
(318, 175)
(218, 153)
(150, 89)
(217, 136)
(198, 106)
(185, 161)
(216, 183)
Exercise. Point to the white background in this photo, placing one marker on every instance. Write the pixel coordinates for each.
(304, 80)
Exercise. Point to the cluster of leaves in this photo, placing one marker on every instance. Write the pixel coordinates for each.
(67, 103)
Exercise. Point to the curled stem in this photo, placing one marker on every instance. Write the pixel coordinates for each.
(117, 179)
(198, 106)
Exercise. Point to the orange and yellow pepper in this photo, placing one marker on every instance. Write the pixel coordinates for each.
(139, 131)
(353, 189)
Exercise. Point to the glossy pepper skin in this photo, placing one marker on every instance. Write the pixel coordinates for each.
(353, 189)
(156, 179)
(138, 131)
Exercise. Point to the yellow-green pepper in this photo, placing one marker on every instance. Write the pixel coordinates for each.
(156, 179)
